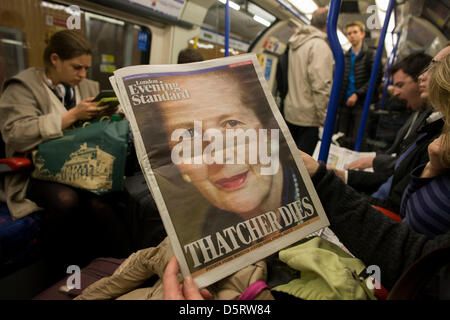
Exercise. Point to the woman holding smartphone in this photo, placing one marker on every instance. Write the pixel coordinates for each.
(37, 105)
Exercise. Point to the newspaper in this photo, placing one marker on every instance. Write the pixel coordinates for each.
(340, 157)
(219, 160)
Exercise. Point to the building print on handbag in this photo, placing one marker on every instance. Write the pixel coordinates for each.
(87, 167)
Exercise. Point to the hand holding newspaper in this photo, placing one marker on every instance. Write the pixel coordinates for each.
(220, 162)
(340, 157)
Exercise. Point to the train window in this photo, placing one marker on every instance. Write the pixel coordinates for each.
(26, 26)
(13, 55)
(116, 44)
(247, 21)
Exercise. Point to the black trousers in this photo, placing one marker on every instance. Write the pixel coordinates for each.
(349, 120)
(78, 225)
(306, 138)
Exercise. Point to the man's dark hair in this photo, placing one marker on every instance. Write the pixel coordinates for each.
(319, 18)
(190, 55)
(67, 44)
(413, 65)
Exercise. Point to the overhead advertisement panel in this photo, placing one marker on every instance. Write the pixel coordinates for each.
(214, 37)
(171, 8)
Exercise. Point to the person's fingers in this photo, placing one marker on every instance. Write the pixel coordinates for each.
(434, 146)
(352, 166)
(190, 289)
(206, 294)
(172, 288)
(310, 164)
(102, 108)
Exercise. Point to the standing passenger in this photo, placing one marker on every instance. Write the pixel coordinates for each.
(190, 55)
(310, 74)
(358, 68)
(405, 75)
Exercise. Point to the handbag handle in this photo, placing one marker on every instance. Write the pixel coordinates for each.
(86, 123)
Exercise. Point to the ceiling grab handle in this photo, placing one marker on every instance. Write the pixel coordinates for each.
(338, 54)
(373, 76)
(227, 28)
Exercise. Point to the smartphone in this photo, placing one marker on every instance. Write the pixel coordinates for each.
(111, 102)
(105, 94)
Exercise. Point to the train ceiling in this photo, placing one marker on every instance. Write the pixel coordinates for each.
(246, 27)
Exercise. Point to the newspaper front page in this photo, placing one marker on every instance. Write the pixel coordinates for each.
(219, 160)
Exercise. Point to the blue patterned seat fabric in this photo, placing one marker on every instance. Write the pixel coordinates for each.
(18, 239)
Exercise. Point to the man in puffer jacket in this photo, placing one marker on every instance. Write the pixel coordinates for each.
(358, 68)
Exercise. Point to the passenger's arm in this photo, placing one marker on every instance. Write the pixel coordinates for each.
(188, 290)
(362, 163)
(369, 235)
(422, 176)
(320, 73)
(85, 110)
(367, 182)
(435, 167)
(414, 185)
(22, 123)
(384, 163)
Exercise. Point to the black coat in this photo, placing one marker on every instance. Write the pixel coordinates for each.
(367, 233)
(363, 69)
(368, 182)
(385, 162)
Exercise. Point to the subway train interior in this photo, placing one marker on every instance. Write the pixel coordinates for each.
(126, 33)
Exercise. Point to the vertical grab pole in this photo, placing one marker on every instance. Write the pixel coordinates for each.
(386, 74)
(338, 54)
(227, 28)
(373, 76)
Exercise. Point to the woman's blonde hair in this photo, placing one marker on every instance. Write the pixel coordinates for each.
(439, 96)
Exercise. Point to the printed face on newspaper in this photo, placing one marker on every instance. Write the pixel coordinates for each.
(228, 180)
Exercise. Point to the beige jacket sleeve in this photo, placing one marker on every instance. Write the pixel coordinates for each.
(320, 73)
(131, 274)
(23, 124)
(125, 283)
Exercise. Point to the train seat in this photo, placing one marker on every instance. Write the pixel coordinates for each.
(19, 238)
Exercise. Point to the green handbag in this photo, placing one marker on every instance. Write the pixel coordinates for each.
(92, 157)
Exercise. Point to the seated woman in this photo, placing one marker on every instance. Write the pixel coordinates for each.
(426, 201)
(36, 106)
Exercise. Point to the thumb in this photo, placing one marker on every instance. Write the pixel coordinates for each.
(190, 289)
